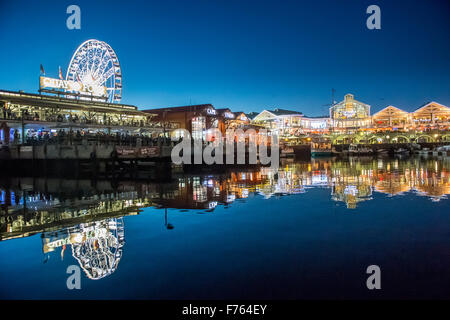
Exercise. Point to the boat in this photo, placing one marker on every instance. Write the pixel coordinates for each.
(357, 150)
(382, 151)
(443, 148)
(336, 152)
(321, 153)
(287, 151)
(401, 151)
(414, 146)
(321, 148)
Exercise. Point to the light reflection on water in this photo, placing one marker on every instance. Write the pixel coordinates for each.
(84, 218)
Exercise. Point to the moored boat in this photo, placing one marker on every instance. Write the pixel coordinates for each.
(321, 148)
(321, 153)
(443, 148)
(358, 150)
(401, 151)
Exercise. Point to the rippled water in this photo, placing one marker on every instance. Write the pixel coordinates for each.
(307, 231)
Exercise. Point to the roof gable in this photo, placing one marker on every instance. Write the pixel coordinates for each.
(264, 115)
(432, 107)
(389, 111)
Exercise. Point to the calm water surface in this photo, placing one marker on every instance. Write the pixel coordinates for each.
(307, 231)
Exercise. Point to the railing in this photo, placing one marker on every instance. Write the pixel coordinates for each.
(82, 120)
(91, 139)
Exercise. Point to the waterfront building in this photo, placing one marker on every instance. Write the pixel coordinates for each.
(432, 115)
(234, 120)
(200, 120)
(391, 117)
(240, 120)
(282, 122)
(347, 115)
(226, 114)
(350, 114)
(26, 117)
(315, 125)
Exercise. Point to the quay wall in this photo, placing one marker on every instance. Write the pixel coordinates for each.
(95, 161)
(83, 152)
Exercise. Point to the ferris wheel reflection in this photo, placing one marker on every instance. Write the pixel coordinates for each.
(96, 246)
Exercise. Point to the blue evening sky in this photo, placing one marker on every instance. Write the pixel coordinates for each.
(245, 55)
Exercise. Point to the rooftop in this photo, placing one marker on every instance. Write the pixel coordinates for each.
(191, 108)
(42, 100)
(283, 112)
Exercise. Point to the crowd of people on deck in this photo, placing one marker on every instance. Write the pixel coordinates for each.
(79, 137)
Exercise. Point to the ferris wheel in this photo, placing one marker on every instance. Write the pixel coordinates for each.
(96, 66)
(100, 251)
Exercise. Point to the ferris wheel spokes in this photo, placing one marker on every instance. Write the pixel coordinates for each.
(95, 63)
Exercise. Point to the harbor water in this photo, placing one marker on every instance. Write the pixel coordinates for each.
(307, 230)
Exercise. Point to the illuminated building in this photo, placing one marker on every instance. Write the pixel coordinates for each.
(315, 124)
(350, 114)
(282, 122)
(200, 120)
(433, 115)
(27, 115)
(390, 117)
(234, 120)
(240, 121)
(86, 100)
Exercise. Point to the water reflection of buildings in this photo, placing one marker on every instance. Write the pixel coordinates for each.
(88, 216)
(351, 183)
(30, 205)
(354, 180)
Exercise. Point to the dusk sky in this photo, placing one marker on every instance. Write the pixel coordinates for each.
(244, 55)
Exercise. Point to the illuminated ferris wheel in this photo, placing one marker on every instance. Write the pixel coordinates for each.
(96, 66)
(100, 248)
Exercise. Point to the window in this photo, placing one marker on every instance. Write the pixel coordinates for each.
(198, 127)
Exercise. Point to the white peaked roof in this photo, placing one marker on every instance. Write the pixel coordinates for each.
(390, 110)
(432, 104)
(262, 116)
